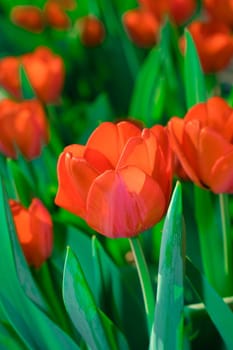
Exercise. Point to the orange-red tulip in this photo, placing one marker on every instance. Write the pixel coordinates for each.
(91, 30)
(28, 17)
(23, 127)
(120, 181)
(220, 10)
(34, 229)
(45, 71)
(203, 142)
(142, 27)
(214, 43)
(55, 15)
(178, 10)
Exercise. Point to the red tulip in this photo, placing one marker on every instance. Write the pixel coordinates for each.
(45, 71)
(178, 10)
(55, 15)
(220, 10)
(214, 44)
(34, 229)
(120, 181)
(23, 127)
(142, 27)
(91, 30)
(28, 17)
(203, 143)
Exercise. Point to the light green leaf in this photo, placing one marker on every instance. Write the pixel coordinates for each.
(167, 332)
(98, 332)
(194, 78)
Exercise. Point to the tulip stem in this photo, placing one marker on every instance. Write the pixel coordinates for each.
(145, 281)
(226, 235)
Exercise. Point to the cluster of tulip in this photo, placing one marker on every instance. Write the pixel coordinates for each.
(64, 169)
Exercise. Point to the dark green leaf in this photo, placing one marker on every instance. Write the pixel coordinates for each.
(219, 312)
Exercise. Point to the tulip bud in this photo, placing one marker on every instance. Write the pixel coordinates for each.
(142, 27)
(55, 15)
(214, 43)
(34, 229)
(91, 30)
(28, 17)
(23, 127)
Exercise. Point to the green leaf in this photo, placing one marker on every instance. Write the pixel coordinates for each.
(219, 312)
(98, 332)
(27, 90)
(168, 324)
(27, 319)
(194, 78)
(22, 186)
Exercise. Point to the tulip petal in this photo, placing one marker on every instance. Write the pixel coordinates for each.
(41, 226)
(221, 180)
(109, 139)
(211, 148)
(177, 136)
(140, 152)
(124, 203)
(21, 221)
(75, 177)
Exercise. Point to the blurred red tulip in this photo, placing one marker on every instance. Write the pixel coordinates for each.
(178, 10)
(220, 10)
(55, 15)
(214, 43)
(28, 17)
(45, 71)
(34, 229)
(91, 30)
(120, 182)
(203, 143)
(142, 27)
(23, 127)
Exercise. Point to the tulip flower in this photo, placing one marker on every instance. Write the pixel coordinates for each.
(23, 127)
(34, 229)
(178, 10)
(91, 30)
(55, 16)
(221, 11)
(120, 181)
(214, 43)
(203, 143)
(28, 17)
(142, 27)
(45, 71)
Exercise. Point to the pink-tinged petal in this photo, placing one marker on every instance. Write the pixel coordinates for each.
(222, 175)
(124, 203)
(212, 147)
(109, 139)
(186, 153)
(74, 177)
(140, 152)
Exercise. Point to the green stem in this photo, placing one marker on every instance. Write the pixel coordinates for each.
(145, 281)
(226, 236)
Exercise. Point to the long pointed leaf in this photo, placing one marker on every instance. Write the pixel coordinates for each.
(168, 325)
